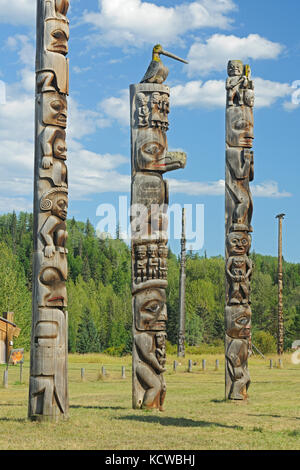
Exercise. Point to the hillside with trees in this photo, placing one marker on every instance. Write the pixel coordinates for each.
(99, 295)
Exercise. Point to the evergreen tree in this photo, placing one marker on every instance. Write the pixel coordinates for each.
(87, 336)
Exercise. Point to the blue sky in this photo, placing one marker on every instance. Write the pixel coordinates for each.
(110, 48)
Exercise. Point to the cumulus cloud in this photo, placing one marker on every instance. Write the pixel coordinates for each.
(212, 94)
(267, 189)
(18, 12)
(213, 54)
(116, 108)
(137, 22)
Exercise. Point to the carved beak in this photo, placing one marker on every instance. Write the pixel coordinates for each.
(173, 56)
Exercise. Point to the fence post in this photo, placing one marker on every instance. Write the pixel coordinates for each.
(175, 364)
(190, 365)
(82, 374)
(271, 363)
(280, 364)
(217, 364)
(103, 371)
(21, 372)
(5, 378)
(203, 364)
(123, 372)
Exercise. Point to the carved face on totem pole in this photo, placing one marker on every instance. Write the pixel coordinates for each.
(238, 243)
(249, 97)
(57, 36)
(56, 201)
(238, 321)
(239, 126)
(235, 68)
(151, 310)
(54, 109)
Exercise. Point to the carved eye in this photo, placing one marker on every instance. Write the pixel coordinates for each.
(242, 124)
(244, 241)
(57, 105)
(242, 321)
(58, 34)
(153, 307)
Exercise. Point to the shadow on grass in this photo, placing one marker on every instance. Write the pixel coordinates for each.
(15, 420)
(180, 422)
(90, 407)
(274, 416)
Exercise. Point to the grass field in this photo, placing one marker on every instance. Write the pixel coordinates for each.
(196, 415)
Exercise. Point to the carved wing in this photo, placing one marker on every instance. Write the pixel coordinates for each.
(151, 71)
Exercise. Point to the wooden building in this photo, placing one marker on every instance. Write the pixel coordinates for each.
(8, 331)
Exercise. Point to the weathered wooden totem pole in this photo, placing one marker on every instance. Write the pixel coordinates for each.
(181, 333)
(149, 107)
(48, 390)
(238, 215)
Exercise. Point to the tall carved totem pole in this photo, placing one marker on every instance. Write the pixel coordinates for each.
(149, 107)
(238, 215)
(181, 333)
(48, 389)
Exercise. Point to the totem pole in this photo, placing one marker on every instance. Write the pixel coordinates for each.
(181, 334)
(280, 326)
(149, 107)
(48, 389)
(238, 215)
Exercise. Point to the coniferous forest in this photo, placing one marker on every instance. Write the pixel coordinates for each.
(99, 295)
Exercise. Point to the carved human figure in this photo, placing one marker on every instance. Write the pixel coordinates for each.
(149, 371)
(54, 231)
(240, 171)
(239, 270)
(163, 263)
(143, 110)
(141, 263)
(235, 82)
(165, 110)
(156, 119)
(53, 145)
(238, 324)
(153, 261)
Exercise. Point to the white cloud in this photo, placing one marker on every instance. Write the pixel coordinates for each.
(197, 94)
(17, 12)
(117, 108)
(92, 173)
(267, 189)
(212, 94)
(137, 22)
(197, 188)
(10, 204)
(213, 54)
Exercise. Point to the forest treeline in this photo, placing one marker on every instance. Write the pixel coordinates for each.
(99, 295)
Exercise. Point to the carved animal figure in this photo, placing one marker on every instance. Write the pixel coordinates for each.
(157, 72)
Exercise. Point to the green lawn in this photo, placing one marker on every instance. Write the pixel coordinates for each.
(195, 417)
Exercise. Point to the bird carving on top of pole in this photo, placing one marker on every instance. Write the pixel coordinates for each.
(157, 72)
